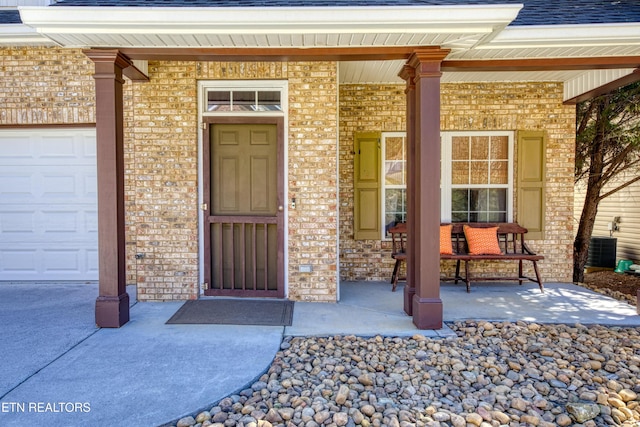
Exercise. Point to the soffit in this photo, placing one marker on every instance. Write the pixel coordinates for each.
(361, 72)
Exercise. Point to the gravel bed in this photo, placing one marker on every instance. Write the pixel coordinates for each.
(492, 374)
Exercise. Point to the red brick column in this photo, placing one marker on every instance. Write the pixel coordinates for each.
(112, 304)
(423, 229)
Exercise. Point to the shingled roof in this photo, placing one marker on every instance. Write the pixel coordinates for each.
(534, 12)
(10, 17)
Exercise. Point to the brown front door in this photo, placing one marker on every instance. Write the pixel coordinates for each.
(244, 217)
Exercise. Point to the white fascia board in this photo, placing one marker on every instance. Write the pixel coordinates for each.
(270, 20)
(15, 3)
(19, 34)
(540, 36)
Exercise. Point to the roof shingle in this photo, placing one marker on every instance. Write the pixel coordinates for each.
(10, 17)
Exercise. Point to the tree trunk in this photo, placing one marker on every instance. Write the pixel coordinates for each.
(606, 144)
(591, 201)
(583, 235)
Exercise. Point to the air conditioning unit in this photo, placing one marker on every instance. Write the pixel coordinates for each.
(602, 252)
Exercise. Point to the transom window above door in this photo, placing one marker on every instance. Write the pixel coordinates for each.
(240, 97)
(244, 100)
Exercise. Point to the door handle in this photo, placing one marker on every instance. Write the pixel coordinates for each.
(280, 208)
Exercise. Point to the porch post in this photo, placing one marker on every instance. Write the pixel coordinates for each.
(112, 304)
(427, 305)
(408, 74)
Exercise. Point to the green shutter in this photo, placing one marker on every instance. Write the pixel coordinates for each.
(366, 182)
(531, 182)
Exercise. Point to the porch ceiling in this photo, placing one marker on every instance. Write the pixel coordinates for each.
(372, 72)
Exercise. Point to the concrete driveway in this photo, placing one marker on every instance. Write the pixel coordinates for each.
(58, 369)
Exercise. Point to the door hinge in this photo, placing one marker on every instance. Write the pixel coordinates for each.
(204, 206)
(205, 285)
(203, 125)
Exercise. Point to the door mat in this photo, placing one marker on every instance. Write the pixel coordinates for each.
(234, 312)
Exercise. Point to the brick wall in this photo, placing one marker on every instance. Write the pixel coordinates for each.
(313, 237)
(36, 88)
(162, 170)
(465, 107)
(364, 108)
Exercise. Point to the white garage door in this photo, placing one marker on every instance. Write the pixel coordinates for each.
(48, 205)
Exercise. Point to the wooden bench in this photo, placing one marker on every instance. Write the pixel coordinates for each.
(511, 242)
(398, 251)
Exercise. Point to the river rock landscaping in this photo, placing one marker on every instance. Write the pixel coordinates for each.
(492, 374)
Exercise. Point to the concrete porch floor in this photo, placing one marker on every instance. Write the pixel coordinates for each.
(370, 308)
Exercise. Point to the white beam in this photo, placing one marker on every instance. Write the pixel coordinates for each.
(541, 36)
(251, 20)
